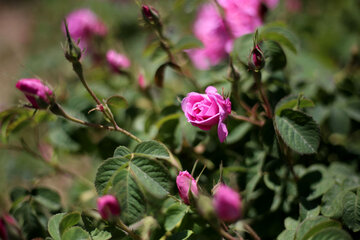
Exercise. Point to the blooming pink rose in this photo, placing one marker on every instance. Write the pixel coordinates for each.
(210, 29)
(35, 91)
(207, 110)
(108, 206)
(183, 182)
(117, 61)
(83, 24)
(227, 203)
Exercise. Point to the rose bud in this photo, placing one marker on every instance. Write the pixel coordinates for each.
(3, 232)
(36, 92)
(206, 110)
(227, 203)
(256, 59)
(108, 207)
(183, 181)
(150, 14)
(117, 61)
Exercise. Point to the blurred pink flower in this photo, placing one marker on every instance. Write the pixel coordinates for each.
(206, 110)
(293, 5)
(210, 29)
(83, 24)
(227, 203)
(183, 182)
(38, 94)
(117, 61)
(108, 207)
(141, 81)
(217, 34)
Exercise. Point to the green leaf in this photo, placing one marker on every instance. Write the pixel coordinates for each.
(290, 102)
(68, 221)
(333, 202)
(298, 130)
(107, 171)
(53, 226)
(152, 149)
(351, 214)
(174, 215)
(47, 197)
(188, 42)
(311, 226)
(332, 234)
(130, 197)
(275, 58)
(121, 151)
(100, 235)
(242, 47)
(153, 176)
(117, 101)
(278, 32)
(183, 235)
(238, 132)
(290, 229)
(76, 233)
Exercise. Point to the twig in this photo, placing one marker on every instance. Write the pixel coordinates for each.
(251, 232)
(131, 233)
(257, 77)
(247, 119)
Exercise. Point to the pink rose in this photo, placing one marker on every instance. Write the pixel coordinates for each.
(117, 61)
(183, 182)
(108, 207)
(227, 203)
(35, 91)
(206, 110)
(210, 29)
(83, 24)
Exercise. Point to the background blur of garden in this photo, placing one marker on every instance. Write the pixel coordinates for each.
(325, 69)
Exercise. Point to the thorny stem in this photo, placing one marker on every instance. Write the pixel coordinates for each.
(130, 232)
(56, 109)
(53, 165)
(257, 77)
(247, 119)
(251, 232)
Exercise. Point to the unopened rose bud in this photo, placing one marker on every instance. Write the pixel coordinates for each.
(227, 203)
(185, 182)
(38, 94)
(256, 59)
(117, 61)
(150, 14)
(72, 51)
(108, 207)
(3, 232)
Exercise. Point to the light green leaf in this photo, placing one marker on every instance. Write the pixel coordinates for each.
(298, 130)
(151, 175)
(290, 229)
(351, 214)
(311, 226)
(106, 172)
(153, 149)
(76, 233)
(183, 235)
(68, 221)
(130, 197)
(121, 151)
(174, 215)
(100, 235)
(332, 234)
(291, 102)
(53, 226)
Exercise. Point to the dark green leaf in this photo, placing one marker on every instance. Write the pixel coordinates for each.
(183, 235)
(290, 102)
(280, 34)
(298, 130)
(187, 42)
(152, 149)
(333, 202)
(152, 176)
(332, 234)
(121, 151)
(275, 58)
(311, 226)
(47, 197)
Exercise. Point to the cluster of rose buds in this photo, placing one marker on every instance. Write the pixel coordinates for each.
(217, 33)
(206, 110)
(226, 202)
(108, 207)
